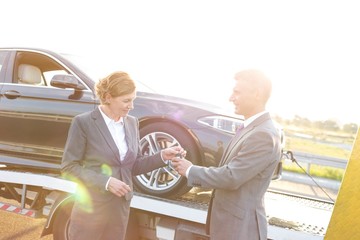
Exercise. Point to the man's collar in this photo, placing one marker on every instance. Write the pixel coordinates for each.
(252, 118)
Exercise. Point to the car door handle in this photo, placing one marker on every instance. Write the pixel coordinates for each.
(12, 94)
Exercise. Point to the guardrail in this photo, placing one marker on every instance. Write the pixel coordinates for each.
(312, 159)
(320, 160)
(309, 160)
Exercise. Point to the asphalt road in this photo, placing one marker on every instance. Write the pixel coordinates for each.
(296, 188)
(300, 184)
(18, 227)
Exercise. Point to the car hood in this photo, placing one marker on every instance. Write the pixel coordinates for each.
(188, 102)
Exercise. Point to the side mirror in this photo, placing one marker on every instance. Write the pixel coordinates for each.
(66, 81)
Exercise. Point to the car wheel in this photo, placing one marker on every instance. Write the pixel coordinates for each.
(165, 181)
(61, 223)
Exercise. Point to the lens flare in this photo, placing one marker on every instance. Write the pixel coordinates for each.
(82, 195)
(106, 170)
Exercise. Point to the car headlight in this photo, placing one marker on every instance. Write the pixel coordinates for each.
(223, 123)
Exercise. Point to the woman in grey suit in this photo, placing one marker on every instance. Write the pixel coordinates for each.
(102, 154)
(236, 209)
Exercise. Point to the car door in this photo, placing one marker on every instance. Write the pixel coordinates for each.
(34, 116)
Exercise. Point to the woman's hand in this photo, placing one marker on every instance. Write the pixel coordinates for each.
(170, 153)
(117, 187)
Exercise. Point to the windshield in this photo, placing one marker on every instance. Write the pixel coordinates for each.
(99, 69)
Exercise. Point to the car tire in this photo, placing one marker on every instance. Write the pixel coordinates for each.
(61, 223)
(165, 181)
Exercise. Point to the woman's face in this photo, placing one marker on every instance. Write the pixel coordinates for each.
(121, 105)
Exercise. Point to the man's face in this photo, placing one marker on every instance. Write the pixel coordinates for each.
(243, 97)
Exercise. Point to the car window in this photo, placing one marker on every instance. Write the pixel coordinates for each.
(2, 59)
(3, 55)
(36, 69)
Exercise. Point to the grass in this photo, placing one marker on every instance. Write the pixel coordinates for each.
(313, 146)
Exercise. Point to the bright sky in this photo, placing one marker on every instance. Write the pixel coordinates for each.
(192, 48)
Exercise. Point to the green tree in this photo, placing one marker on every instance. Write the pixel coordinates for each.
(350, 128)
(330, 125)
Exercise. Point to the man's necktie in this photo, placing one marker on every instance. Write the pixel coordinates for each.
(239, 128)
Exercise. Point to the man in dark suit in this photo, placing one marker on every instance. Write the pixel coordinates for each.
(102, 154)
(236, 209)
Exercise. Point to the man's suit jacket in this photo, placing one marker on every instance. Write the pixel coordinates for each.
(240, 182)
(91, 157)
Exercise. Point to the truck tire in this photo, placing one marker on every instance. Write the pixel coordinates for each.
(165, 181)
(61, 223)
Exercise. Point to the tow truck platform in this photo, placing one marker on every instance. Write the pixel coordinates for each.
(288, 215)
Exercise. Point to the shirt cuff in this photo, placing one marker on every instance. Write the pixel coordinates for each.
(164, 160)
(187, 172)
(107, 184)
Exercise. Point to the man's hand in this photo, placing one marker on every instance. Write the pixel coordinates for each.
(181, 165)
(117, 187)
